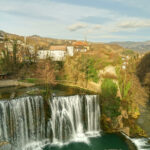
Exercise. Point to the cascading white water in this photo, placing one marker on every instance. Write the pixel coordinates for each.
(25, 125)
(74, 116)
(22, 121)
(93, 114)
(141, 143)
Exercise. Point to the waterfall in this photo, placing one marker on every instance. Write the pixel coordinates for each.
(22, 120)
(73, 117)
(25, 125)
(141, 143)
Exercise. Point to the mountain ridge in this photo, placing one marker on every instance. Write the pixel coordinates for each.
(46, 41)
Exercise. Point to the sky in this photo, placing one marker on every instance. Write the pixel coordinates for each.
(92, 20)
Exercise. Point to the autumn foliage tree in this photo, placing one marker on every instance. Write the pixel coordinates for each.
(45, 72)
(81, 68)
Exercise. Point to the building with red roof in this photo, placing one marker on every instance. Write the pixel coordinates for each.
(80, 46)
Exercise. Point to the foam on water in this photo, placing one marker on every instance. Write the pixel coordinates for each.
(141, 143)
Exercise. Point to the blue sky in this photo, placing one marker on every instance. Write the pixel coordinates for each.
(97, 20)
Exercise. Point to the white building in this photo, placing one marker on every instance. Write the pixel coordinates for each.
(43, 54)
(70, 50)
(56, 53)
(1, 37)
(81, 46)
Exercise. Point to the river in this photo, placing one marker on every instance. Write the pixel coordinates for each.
(69, 120)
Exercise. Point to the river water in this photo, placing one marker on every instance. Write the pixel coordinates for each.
(67, 121)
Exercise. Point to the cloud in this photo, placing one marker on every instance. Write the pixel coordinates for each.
(97, 26)
(77, 26)
(47, 18)
(134, 23)
(53, 9)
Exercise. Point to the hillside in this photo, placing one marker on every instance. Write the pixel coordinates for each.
(143, 70)
(44, 43)
(36, 40)
(107, 47)
(136, 46)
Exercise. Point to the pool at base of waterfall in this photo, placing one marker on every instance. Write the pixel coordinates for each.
(104, 142)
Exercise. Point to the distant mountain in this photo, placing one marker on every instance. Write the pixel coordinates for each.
(2, 33)
(136, 46)
(44, 42)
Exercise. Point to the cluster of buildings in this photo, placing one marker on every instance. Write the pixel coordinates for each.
(55, 52)
(125, 60)
(59, 52)
(1, 38)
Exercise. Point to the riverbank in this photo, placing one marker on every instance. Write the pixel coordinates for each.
(95, 88)
(14, 82)
(144, 119)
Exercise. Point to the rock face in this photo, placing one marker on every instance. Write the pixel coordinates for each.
(123, 123)
(109, 70)
(130, 144)
(5, 146)
(126, 130)
(120, 125)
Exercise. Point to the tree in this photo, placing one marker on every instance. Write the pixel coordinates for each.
(88, 67)
(45, 72)
(81, 68)
(143, 67)
(110, 101)
(71, 68)
(5, 62)
(15, 52)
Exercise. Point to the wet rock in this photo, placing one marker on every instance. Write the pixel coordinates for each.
(5, 146)
(130, 144)
(119, 122)
(149, 141)
(126, 130)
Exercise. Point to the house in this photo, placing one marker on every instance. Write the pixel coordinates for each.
(43, 54)
(1, 37)
(80, 46)
(1, 49)
(57, 53)
(70, 50)
(8, 45)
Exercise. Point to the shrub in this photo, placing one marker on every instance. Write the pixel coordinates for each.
(109, 76)
(110, 101)
(109, 88)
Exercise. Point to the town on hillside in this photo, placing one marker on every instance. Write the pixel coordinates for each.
(18, 53)
(56, 52)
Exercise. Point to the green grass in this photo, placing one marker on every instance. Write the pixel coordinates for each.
(30, 80)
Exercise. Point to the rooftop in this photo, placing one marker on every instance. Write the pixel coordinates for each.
(58, 47)
(80, 43)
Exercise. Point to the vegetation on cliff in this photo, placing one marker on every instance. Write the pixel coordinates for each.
(132, 96)
(109, 99)
(143, 71)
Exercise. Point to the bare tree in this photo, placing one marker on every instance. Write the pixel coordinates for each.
(45, 72)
